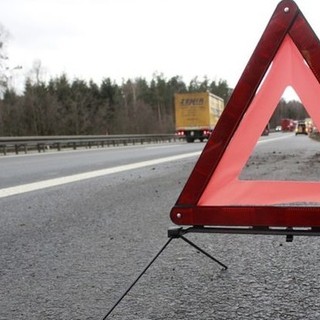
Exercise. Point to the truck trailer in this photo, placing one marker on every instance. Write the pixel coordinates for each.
(196, 114)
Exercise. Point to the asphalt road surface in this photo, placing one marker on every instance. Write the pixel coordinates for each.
(69, 251)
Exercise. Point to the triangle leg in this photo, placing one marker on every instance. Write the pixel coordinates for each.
(204, 252)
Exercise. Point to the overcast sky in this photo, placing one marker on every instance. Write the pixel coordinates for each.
(95, 39)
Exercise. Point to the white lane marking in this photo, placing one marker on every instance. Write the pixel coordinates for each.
(11, 191)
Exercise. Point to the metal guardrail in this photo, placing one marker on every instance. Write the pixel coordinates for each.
(43, 143)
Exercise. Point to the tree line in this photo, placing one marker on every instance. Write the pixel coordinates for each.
(77, 107)
(288, 110)
(64, 107)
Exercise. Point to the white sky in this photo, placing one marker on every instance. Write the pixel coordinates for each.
(96, 39)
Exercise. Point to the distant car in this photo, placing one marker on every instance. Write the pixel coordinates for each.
(278, 128)
(301, 128)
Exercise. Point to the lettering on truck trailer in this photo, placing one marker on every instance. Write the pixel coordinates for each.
(192, 102)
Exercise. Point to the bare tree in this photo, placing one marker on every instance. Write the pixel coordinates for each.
(4, 36)
(37, 73)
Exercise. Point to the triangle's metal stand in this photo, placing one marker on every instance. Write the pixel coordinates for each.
(179, 232)
(173, 233)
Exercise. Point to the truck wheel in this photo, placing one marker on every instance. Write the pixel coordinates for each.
(190, 140)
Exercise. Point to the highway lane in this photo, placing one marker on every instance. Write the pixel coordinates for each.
(70, 251)
(22, 169)
(36, 172)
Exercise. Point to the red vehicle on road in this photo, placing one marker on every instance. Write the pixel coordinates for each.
(287, 125)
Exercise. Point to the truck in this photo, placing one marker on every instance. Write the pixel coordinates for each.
(288, 125)
(196, 114)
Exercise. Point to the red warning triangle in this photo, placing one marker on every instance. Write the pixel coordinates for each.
(288, 54)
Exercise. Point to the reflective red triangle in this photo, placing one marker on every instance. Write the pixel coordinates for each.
(213, 194)
(224, 187)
